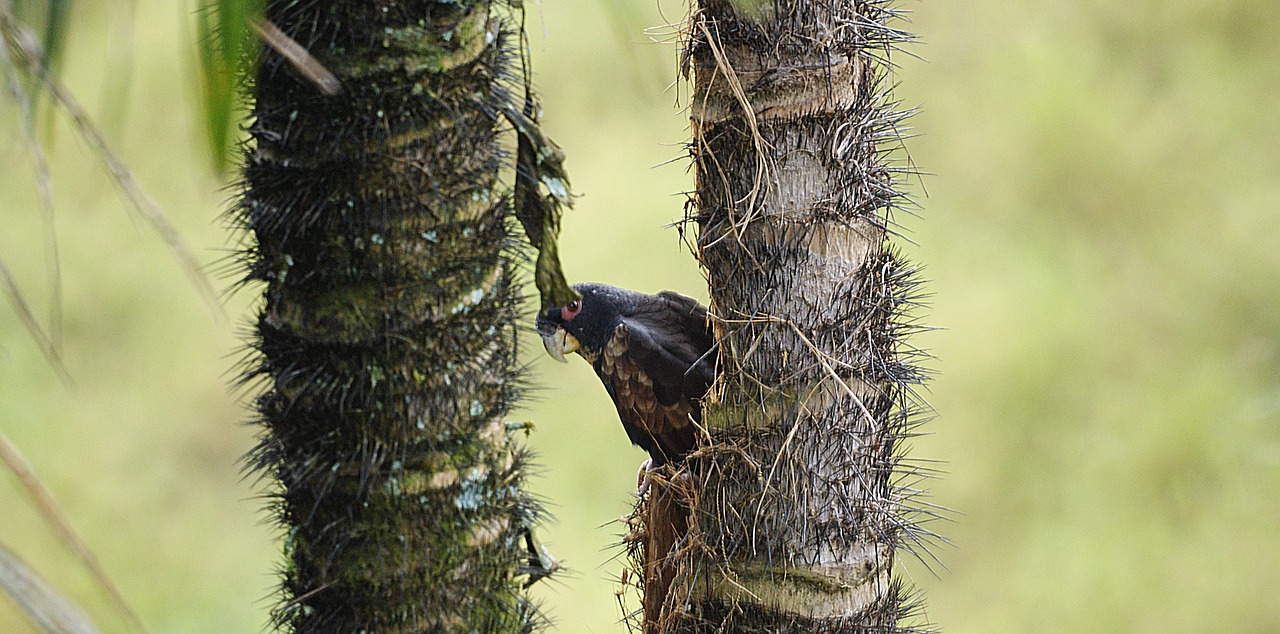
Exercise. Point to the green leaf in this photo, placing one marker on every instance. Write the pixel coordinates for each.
(225, 47)
(55, 32)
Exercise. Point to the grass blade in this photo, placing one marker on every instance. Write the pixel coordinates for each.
(61, 524)
(46, 607)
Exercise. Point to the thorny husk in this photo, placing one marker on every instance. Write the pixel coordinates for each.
(386, 347)
(790, 515)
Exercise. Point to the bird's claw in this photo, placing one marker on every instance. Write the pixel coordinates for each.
(642, 478)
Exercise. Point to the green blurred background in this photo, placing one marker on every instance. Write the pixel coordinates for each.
(1099, 235)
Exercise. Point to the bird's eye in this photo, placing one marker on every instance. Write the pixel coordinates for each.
(571, 311)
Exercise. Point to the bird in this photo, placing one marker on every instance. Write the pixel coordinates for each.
(654, 355)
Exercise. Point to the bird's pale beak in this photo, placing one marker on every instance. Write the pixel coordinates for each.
(559, 343)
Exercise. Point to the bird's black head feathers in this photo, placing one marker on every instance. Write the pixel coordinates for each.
(594, 318)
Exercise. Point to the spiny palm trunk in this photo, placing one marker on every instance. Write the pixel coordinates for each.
(797, 505)
(387, 345)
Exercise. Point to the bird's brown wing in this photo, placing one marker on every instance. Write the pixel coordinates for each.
(656, 367)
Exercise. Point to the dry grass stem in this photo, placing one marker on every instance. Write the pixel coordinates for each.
(46, 607)
(298, 56)
(28, 45)
(54, 515)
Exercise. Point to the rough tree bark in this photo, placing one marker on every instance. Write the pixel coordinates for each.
(387, 344)
(799, 499)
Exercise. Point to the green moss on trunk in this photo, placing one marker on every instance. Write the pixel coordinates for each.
(386, 344)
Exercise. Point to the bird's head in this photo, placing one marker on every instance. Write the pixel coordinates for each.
(583, 326)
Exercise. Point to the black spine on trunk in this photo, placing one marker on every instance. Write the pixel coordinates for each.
(386, 345)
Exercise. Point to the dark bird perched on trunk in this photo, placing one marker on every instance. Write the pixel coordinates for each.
(653, 354)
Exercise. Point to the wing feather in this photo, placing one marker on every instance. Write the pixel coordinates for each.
(657, 366)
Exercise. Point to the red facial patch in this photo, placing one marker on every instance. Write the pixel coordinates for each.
(569, 312)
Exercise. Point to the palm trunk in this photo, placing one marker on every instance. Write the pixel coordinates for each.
(387, 340)
(798, 506)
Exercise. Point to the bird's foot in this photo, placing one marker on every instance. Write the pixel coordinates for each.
(642, 478)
